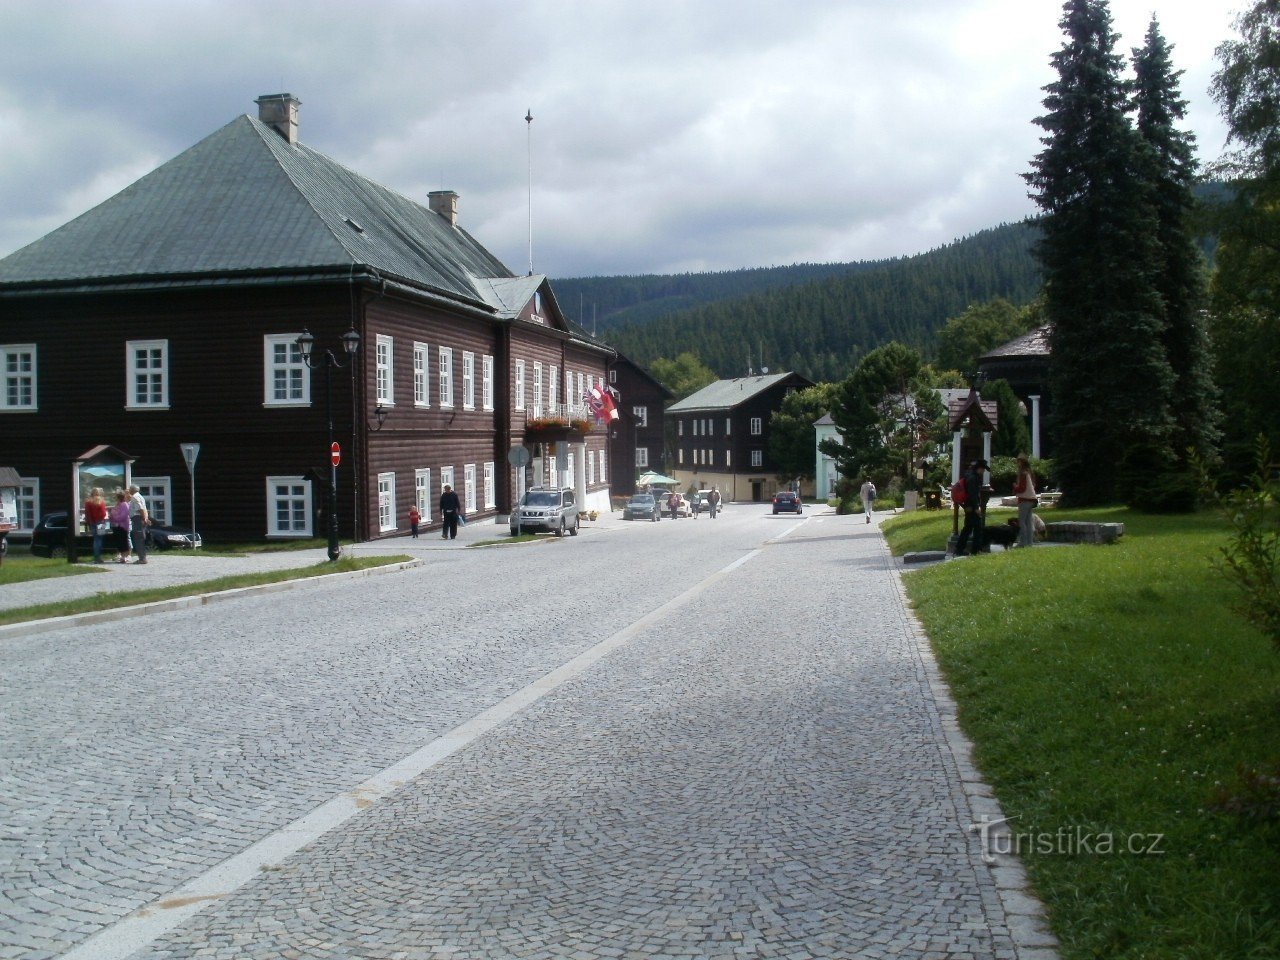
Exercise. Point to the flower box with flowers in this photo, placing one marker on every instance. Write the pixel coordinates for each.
(556, 427)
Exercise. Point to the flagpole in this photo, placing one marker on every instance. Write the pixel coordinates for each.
(528, 119)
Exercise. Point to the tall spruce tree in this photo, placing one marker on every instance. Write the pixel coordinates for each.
(1182, 277)
(1109, 373)
(1246, 286)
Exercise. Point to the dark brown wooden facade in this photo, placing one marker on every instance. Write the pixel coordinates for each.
(637, 439)
(214, 341)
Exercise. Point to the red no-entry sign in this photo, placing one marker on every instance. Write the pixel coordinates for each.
(335, 453)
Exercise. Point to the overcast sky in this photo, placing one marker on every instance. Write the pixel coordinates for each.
(666, 137)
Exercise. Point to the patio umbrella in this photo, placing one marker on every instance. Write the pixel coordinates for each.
(651, 478)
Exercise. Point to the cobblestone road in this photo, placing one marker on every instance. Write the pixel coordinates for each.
(757, 768)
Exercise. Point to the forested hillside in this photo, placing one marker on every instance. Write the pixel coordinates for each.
(609, 302)
(816, 320)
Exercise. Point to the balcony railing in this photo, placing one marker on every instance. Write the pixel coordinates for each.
(558, 411)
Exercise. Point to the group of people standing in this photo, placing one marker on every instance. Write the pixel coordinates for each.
(976, 494)
(125, 522)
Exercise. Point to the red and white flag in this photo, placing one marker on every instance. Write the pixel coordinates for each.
(601, 404)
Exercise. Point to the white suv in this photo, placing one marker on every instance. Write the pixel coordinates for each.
(541, 508)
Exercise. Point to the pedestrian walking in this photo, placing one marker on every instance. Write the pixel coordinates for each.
(713, 498)
(1024, 488)
(415, 517)
(139, 520)
(95, 518)
(450, 507)
(868, 493)
(673, 503)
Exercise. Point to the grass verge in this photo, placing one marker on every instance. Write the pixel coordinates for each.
(129, 598)
(1109, 692)
(23, 567)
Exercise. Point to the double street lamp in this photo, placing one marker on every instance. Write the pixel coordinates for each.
(330, 362)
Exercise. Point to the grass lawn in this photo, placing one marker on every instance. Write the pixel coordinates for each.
(1110, 691)
(21, 566)
(129, 598)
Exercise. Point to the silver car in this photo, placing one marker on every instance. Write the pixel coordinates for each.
(548, 510)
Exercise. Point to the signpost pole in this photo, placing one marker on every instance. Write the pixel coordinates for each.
(190, 451)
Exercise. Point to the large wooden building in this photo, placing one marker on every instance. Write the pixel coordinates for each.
(171, 314)
(637, 439)
(722, 435)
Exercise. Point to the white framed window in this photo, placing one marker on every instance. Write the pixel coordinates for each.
(490, 486)
(486, 381)
(28, 503)
(422, 493)
(680, 456)
(591, 468)
(286, 381)
(382, 370)
(642, 456)
(680, 428)
(446, 376)
(537, 384)
(155, 491)
(421, 377)
(613, 376)
(553, 386)
(469, 483)
(756, 426)
(519, 398)
(18, 364)
(288, 507)
(709, 457)
(727, 422)
(728, 458)
(568, 387)
(757, 458)
(604, 474)
(468, 380)
(711, 427)
(582, 389)
(642, 416)
(569, 471)
(148, 372)
(386, 502)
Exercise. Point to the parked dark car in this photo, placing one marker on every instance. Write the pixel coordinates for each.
(641, 507)
(49, 538)
(787, 501)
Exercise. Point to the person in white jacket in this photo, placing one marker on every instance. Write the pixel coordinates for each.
(868, 494)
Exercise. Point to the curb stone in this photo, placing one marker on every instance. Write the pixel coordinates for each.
(1024, 913)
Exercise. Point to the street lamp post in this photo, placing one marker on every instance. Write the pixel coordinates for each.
(330, 362)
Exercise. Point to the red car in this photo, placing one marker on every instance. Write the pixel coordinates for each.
(788, 501)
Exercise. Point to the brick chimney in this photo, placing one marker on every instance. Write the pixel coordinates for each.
(445, 203)
(280, 112)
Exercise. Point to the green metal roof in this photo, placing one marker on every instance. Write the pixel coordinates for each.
(726, 394)
(244, 201)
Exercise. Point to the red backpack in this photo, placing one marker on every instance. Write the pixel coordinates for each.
(958, 495)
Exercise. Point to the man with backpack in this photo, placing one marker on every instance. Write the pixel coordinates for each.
(868, 494)
(975, 508)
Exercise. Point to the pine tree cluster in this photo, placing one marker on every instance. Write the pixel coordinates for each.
(1124, 281)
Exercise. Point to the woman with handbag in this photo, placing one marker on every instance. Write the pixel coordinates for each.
(95, 518)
